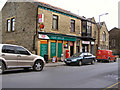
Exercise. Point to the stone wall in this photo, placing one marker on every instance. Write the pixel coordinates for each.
(25, 23)
(115, 40)
(64, 23)
(104, 44)
(0, 27)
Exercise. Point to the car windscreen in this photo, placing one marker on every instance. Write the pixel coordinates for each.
(76, 55)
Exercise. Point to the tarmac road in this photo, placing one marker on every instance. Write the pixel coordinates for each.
(100, 75)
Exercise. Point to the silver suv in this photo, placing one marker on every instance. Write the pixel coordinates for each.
(13, 56)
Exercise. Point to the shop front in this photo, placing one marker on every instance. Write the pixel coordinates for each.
(85, 46)
(54, 45)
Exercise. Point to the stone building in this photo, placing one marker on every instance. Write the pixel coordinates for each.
(114, 43)
(0, 27)
(46, 29)
(103, 37)
(95, 34)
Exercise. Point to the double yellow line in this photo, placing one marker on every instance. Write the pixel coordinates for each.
(112, 85)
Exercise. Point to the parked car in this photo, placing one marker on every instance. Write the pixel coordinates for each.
(81, 58)
(105, 55)
(14, 56)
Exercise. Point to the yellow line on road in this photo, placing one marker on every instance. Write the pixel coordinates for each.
(113, 85)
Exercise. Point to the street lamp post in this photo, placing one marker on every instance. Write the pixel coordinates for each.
(99, 29)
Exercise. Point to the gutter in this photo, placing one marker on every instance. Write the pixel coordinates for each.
(35, 34)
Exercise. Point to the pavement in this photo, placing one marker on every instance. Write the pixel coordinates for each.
(59, 63)
(51, 64)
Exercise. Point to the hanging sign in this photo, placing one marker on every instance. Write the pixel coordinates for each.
(40, 18)
(43, 36)
(85, 42)
(92, 43)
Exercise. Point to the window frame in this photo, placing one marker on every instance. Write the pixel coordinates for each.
(8, 47)
(12, 24)
(104, 36)
(9, 25)
(89, 28)
(72, 25)
(84, 27)
(55, 19)
(25, 50)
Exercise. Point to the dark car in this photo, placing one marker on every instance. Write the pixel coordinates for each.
(81, 58)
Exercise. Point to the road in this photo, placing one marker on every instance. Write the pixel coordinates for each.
(100, 75)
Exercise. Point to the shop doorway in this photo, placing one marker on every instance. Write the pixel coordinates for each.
(53, 48)
(43, 47)
(92, 51)
(71, 48)
(85, 48)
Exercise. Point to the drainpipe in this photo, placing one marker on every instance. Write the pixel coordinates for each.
(35, 34)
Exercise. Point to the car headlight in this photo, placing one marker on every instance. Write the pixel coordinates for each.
(74, 59)
(65, 59)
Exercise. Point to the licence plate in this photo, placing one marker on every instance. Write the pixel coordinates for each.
(68, 61)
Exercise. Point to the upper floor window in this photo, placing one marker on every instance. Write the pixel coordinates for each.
(55, 22)
(89, 28)
(113, 42)
(104, 36)
(8, 25)
(72, 25)
(13, 24)
(84, 28)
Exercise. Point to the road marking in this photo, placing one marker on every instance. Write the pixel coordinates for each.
(113, 85)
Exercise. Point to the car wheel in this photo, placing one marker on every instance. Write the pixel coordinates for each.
(38, 66)
(108, 60)
(80, 63)
(92, 62)
(115, 60)
(2, 68)
(98, 60)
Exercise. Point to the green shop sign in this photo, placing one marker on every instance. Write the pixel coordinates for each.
(62, 38)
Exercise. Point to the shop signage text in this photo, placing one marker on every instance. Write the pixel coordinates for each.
(85, 42)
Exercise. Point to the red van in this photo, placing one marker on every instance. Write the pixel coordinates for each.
(105, 55)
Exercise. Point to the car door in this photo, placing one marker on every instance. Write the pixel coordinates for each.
(8, 53)
(90, 58)
(84, 58)
(24, 57)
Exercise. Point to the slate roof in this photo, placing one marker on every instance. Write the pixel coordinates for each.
(60, 10)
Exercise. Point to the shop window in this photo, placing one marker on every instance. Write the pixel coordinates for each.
(8, 25)
(13, 24)
(55, 22)
(72, 25)
(65, 44)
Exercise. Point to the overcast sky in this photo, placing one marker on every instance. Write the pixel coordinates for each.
(88, 8)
